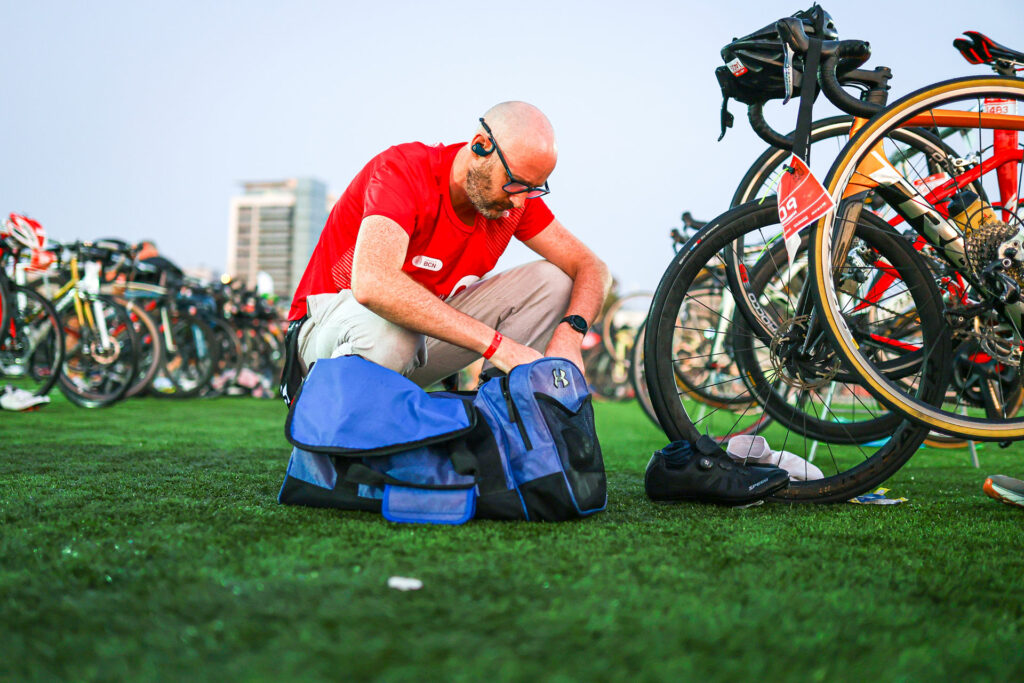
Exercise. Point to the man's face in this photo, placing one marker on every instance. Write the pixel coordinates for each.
(483, 186)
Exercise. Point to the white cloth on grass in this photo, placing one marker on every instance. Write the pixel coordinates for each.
(19, 399)
(755, 449)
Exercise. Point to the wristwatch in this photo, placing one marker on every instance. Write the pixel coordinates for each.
(576, 322)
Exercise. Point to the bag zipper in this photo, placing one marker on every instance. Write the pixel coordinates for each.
(513, 413)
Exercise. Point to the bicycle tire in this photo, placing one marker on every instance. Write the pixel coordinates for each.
(728, 390)
(963, 94)
(229, 357)
(638, 380)
(836, 422)
(32, 351)
(5, 304)
(637, 377)
(853, 469)
(611, 330)
(98, 372)
(151, 348)
(191, 363)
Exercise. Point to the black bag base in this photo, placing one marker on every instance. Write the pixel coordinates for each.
(343, 496)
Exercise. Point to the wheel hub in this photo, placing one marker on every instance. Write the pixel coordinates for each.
(796, 366)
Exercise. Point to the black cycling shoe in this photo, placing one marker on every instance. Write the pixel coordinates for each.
(703, 472)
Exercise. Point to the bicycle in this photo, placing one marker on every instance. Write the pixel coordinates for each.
(31, 344)
(802, 391)
(973, 246)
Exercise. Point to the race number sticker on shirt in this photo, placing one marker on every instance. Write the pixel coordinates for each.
(802, 200)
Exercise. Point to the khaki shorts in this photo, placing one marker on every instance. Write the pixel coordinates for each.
(524, 304)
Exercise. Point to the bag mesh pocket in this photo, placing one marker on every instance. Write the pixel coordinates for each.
(578, 450)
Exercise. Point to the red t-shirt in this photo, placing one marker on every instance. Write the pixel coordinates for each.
(409, 184)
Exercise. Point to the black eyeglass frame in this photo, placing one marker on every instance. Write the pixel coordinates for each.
(540, 191)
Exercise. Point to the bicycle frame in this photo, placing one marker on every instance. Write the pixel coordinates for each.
(930, 217)
(82, 294)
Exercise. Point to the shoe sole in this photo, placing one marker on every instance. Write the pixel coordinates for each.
(707, 501)
(1002, 495)
(733, 503)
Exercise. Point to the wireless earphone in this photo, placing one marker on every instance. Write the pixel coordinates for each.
(478, 149)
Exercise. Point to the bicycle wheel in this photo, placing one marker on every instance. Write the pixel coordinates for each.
(190, 360)
(620, 323)
(637, 377)
(32, 350)
(973, 252)
(151, 348)
(706, 370)
(848, 469)
(262, 357)
(707, 395)
(101, 352)
(801, 384)
(5, 304)
(229, 357)
(608, 379)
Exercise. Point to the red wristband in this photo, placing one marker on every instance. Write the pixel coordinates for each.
(494, 345)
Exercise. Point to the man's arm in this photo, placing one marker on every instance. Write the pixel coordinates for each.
(379, 283)
(591, 282)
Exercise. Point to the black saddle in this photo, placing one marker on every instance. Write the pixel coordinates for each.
(978, 48)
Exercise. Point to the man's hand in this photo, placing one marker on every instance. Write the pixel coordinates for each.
(565, 343)
(511, 353)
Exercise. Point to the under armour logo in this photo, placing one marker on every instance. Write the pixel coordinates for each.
(560, 380)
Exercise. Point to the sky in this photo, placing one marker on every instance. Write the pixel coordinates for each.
(142, 119)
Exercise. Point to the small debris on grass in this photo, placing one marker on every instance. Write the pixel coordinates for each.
(404, 583)
(877, 498)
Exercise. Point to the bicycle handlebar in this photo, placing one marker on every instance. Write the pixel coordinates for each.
(755, 114)
(840, 64)
(838, 57)
(875, 81)
(854, 52)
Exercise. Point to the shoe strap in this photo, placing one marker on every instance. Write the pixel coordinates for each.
(705, 445)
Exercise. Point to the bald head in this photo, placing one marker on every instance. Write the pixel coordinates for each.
(526, 139)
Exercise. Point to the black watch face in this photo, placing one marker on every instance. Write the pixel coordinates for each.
(577, 323)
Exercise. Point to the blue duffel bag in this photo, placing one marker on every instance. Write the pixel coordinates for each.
(522, 447)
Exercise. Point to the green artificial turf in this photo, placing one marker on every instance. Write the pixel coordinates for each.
(144, 542)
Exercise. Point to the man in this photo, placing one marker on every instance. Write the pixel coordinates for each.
(395, 276)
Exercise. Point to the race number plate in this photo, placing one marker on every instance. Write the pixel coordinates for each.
(802, 200)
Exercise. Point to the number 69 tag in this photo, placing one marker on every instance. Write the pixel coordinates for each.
(802, 200)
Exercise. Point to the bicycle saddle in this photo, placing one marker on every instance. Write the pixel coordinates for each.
(980, 49)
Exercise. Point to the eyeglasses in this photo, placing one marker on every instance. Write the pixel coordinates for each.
(514, 186)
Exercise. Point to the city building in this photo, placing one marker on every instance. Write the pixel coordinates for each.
(273, 228)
